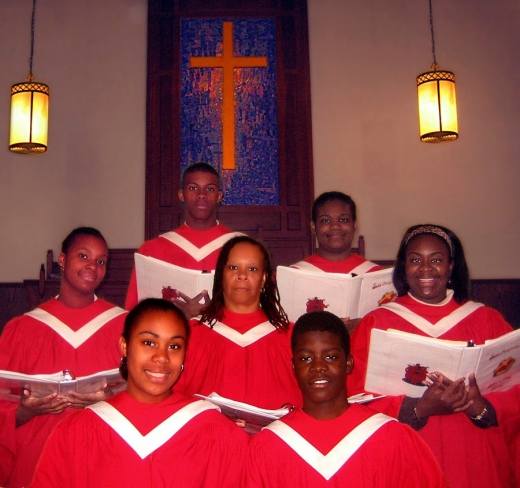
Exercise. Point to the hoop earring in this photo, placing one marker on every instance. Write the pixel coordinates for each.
(123, 360)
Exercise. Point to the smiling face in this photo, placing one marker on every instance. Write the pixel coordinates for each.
(155, 354)
(243, 278)
(200, 195)
(428, 267)
(84, 266)
(321, 367)
(334, 229)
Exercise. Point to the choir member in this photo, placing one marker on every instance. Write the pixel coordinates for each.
(75, 331)
(197, 242)
(146, 435)
(240, 346)
(329, 442)
(459, 424)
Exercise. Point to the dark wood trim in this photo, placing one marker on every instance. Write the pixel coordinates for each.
(501, 294)
(12, 300)
(18, 298)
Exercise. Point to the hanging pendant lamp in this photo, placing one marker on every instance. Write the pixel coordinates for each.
(437, 101)
(29, 110)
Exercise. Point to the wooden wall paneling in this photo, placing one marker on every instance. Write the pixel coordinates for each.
(501, 294)
(12, 302)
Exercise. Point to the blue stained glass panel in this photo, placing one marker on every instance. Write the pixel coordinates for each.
(254, 181)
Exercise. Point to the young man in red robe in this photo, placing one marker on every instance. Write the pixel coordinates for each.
(329, 442)
(196, 243)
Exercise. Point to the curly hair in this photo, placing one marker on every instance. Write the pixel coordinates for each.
(460, 281)
(269, 296)
(321, 321)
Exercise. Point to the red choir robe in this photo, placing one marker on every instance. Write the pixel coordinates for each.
(84, 341)
(507, 407)
(185, 247)
(353, 264)
(468, 455)
(243, 358)
(179, 442)
(360, 448)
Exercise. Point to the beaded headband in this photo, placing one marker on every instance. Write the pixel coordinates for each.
(430, 229)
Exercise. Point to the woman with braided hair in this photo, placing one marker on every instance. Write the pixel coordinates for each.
(240, 346)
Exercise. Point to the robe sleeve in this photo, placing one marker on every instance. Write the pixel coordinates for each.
(7, 408)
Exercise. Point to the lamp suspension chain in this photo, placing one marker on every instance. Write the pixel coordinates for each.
(432, 34)
(32, 40)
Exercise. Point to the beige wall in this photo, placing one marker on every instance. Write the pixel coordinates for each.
(365, 57)
(364, 60)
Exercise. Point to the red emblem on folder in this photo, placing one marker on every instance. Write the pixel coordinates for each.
(415, 374)
(169, 293)
(314, 304)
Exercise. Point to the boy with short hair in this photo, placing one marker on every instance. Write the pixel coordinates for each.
(196, 243)
(329, 442)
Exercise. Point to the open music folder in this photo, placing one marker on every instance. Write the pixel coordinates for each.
(342, 294)
(398, 362)
(158, 279)
(13, 383)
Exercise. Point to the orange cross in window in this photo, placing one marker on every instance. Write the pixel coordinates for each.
(228, 62)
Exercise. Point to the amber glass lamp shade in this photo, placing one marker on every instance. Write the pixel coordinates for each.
(437, 106)
(29, 118)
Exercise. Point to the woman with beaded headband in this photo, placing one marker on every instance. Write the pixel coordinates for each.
(460, 425)
(240, 346)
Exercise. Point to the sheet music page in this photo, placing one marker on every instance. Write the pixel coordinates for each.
(158, 279)
(255, 418)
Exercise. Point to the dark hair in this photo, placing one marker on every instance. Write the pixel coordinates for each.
(80, 231)
(332, 196)
(321, 321)
(269, 296)
(202, 167)
(460, 282)
(136, 315)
